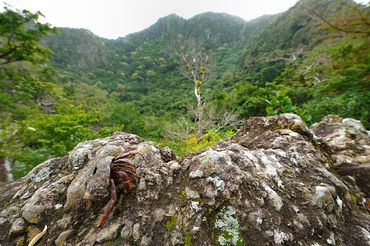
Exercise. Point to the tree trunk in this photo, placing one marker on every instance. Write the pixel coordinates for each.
(5, 175)
(200, 108)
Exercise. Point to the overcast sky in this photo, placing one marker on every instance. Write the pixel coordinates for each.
(117, 18)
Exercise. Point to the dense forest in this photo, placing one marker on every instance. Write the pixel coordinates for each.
(183, 83)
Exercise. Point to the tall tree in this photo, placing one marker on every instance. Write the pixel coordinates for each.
(20, 33)
(194, 59)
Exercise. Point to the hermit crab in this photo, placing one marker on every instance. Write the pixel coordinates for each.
(122, 171)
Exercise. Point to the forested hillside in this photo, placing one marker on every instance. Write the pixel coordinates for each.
(185, 83)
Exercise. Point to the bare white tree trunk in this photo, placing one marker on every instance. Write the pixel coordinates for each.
(5, 174)
(194, 60)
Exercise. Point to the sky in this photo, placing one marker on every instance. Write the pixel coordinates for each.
(117, 18)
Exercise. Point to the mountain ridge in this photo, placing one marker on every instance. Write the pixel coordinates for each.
(141, 61)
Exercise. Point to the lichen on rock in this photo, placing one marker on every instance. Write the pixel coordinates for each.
(228, 225)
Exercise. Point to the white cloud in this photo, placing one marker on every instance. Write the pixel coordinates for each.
(115, 18)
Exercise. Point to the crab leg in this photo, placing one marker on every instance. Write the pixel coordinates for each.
(113, 201)
(128, 154)
(126, 181)
(126, 165)
(132, 176)
(123, 163)
(131, 172)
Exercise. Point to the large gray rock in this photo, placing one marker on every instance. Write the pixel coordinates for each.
(269, 185)
(350, 146)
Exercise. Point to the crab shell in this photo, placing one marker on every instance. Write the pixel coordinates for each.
(123, 172)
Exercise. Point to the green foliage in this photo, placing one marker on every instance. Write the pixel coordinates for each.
(246, 99)
(24, 84)
(38, 121)
(345, 81)
(344, 105)
(279, 104)
(20, 88)
(20, 32)
(47, 135)
(27, 159)
(59, 132)
(7, 131)
(193, 142)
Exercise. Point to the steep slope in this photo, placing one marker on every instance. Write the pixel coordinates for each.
(80, 56)
(290, 49)
(77, 49)
(166, 27)
(225, 37)
(293, 32)
(297, 27)
(215, 29)
(208, 28)
(142, 63)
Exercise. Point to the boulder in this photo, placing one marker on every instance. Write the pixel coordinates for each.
(350, 145)
(270, 184)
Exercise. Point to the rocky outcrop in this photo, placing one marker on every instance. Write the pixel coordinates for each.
(350, 145)
(270, 184)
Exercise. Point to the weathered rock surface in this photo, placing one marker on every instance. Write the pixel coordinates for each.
(350, 144)
(270, 184)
